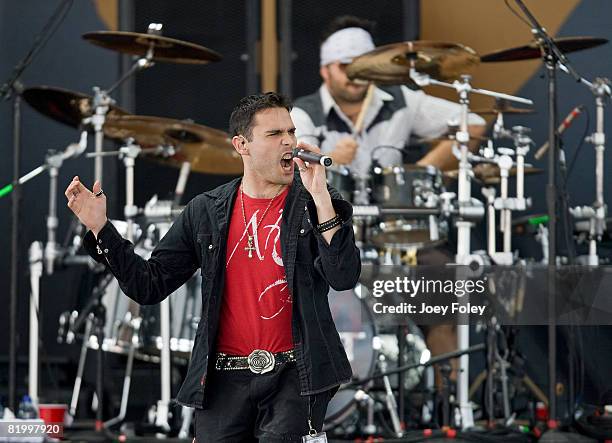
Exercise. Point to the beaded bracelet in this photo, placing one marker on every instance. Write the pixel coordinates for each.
(329, 224)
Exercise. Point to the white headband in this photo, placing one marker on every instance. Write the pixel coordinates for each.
(344, 45)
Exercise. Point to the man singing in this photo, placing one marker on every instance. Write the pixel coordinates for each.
(267, 357)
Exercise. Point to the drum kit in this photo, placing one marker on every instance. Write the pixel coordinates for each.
(402, 209)
(398, 211)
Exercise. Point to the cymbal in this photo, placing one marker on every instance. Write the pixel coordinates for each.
(165, 49)
(508, 110)
(532, 50)
(208, 150)
(488, 173)
(64, 106)
(390, 64)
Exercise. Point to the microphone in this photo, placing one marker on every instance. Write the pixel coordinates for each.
(562, 127)
(312, 157)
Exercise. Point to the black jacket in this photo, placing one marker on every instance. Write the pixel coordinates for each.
(197, 239)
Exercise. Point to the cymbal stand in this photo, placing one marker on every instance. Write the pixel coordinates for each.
(36, 271)
(390, 398)
(597, 212)
(466, 206)
(53, 162)
(165, 361)
(102, 99)
(499, 129)
(129, 152)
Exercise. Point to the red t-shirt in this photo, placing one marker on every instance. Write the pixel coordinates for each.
(256, 311)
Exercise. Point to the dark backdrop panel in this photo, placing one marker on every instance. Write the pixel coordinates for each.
(204, 94)
(68, 62)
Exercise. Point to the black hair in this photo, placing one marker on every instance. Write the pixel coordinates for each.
(347, 21)
(241, 120)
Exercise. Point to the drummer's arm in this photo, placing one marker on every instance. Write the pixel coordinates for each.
(305, 129)
(441, 155)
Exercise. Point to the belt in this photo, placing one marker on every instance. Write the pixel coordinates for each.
(259, 361)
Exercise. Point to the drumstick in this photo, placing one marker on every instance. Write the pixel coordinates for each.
(364, 108)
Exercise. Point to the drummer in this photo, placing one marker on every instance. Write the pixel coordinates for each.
(394, 114)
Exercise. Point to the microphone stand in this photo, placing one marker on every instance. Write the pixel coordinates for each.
(432, 361)
(553, 58)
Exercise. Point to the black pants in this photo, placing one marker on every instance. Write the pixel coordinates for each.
(247, 407)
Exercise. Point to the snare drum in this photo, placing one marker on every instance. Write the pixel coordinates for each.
(341, 179)
(353, 188)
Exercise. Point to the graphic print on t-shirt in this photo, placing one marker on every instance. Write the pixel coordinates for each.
(274, 250)
(257, 303)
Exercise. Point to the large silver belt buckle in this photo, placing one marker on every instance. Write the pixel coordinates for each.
(260, 361)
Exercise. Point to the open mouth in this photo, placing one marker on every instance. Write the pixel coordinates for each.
(286, 162)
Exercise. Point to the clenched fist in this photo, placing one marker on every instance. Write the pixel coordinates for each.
(90, 210)
(345, 151)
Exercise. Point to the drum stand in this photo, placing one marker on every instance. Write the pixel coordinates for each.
(504, 203)
(443, 397)
(94, 316)
(597, 212)
(98, 320)
(468, 210)
(495, 362)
